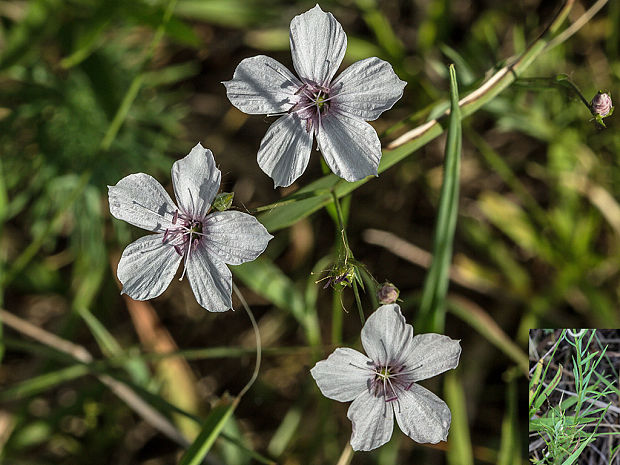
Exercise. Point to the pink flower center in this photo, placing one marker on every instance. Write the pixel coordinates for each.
(185, 236)
(389, 380)
(313, 104)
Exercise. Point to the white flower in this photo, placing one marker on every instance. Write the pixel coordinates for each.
(206, 241)
(333, 110)
(383, 385)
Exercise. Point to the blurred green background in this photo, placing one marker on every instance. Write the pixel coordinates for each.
(91, 91)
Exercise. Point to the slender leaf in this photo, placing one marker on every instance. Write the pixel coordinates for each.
(459, 447)
(211, 429)
(432, 306)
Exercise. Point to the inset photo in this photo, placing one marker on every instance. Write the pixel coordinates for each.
(574, 397)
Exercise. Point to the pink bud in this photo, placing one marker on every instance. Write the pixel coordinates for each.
(601, 104)
(387, 293)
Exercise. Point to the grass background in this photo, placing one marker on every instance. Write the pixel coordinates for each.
(91, 91)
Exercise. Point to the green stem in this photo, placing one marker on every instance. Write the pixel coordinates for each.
(359, 303)
(337, 317)
(343, 231)
(562, 81)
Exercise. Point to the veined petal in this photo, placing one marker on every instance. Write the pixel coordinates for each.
(285, 150)
(435, 353)
(422, 415)
(344, 375)
(210, 278)
(349, 145)
(235, 237)
(366, 89)
(373, 421)
(318, 44)
(386, 335)
(262, 85)
(142, 201)
(196, 181)
(147, 266)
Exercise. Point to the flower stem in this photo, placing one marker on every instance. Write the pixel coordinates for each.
(337, 317)
(258, 341)
(348, 255)
(560, 81)
(359, 303)
(343, 231)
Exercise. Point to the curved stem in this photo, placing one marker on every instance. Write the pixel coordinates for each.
(258, 342)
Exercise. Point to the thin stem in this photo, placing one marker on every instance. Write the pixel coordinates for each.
(343, 231)
(258, 341)
(359, 303)
(346, 456)
(337, 317)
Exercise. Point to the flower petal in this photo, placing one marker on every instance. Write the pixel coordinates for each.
(386, 335)
(349, 145)
(318, 44)
(422, 415)
(373, 421)
(262, 85)
(235, 237)
(147, 266)
(344, 375)
(435, 353)
(196, 181)
(210, 278)
(285, 150)
(366, 89)
(142, 201)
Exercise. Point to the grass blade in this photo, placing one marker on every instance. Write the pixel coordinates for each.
(459, 447)
(510, 447)
(211, 429)
(432, 306)
(478, 319)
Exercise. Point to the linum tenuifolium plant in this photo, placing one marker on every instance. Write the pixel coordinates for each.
(560, 432)
(382, 385)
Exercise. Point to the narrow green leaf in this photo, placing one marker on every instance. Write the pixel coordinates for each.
(210, 431)
(432, 305)
(459, 446)
(548, 390)
(288, 427)
(575, 455)
(488, 328)
(510, 446)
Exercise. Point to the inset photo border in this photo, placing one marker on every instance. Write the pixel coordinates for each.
(574, 396)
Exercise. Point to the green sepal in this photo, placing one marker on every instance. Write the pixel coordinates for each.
(223, 201)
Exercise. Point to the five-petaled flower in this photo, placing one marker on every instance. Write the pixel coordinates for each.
(207, 241)
(333, 110)
(384, 384)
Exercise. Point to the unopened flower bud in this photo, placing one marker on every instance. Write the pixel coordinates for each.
(387, 293)
(601, 104)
